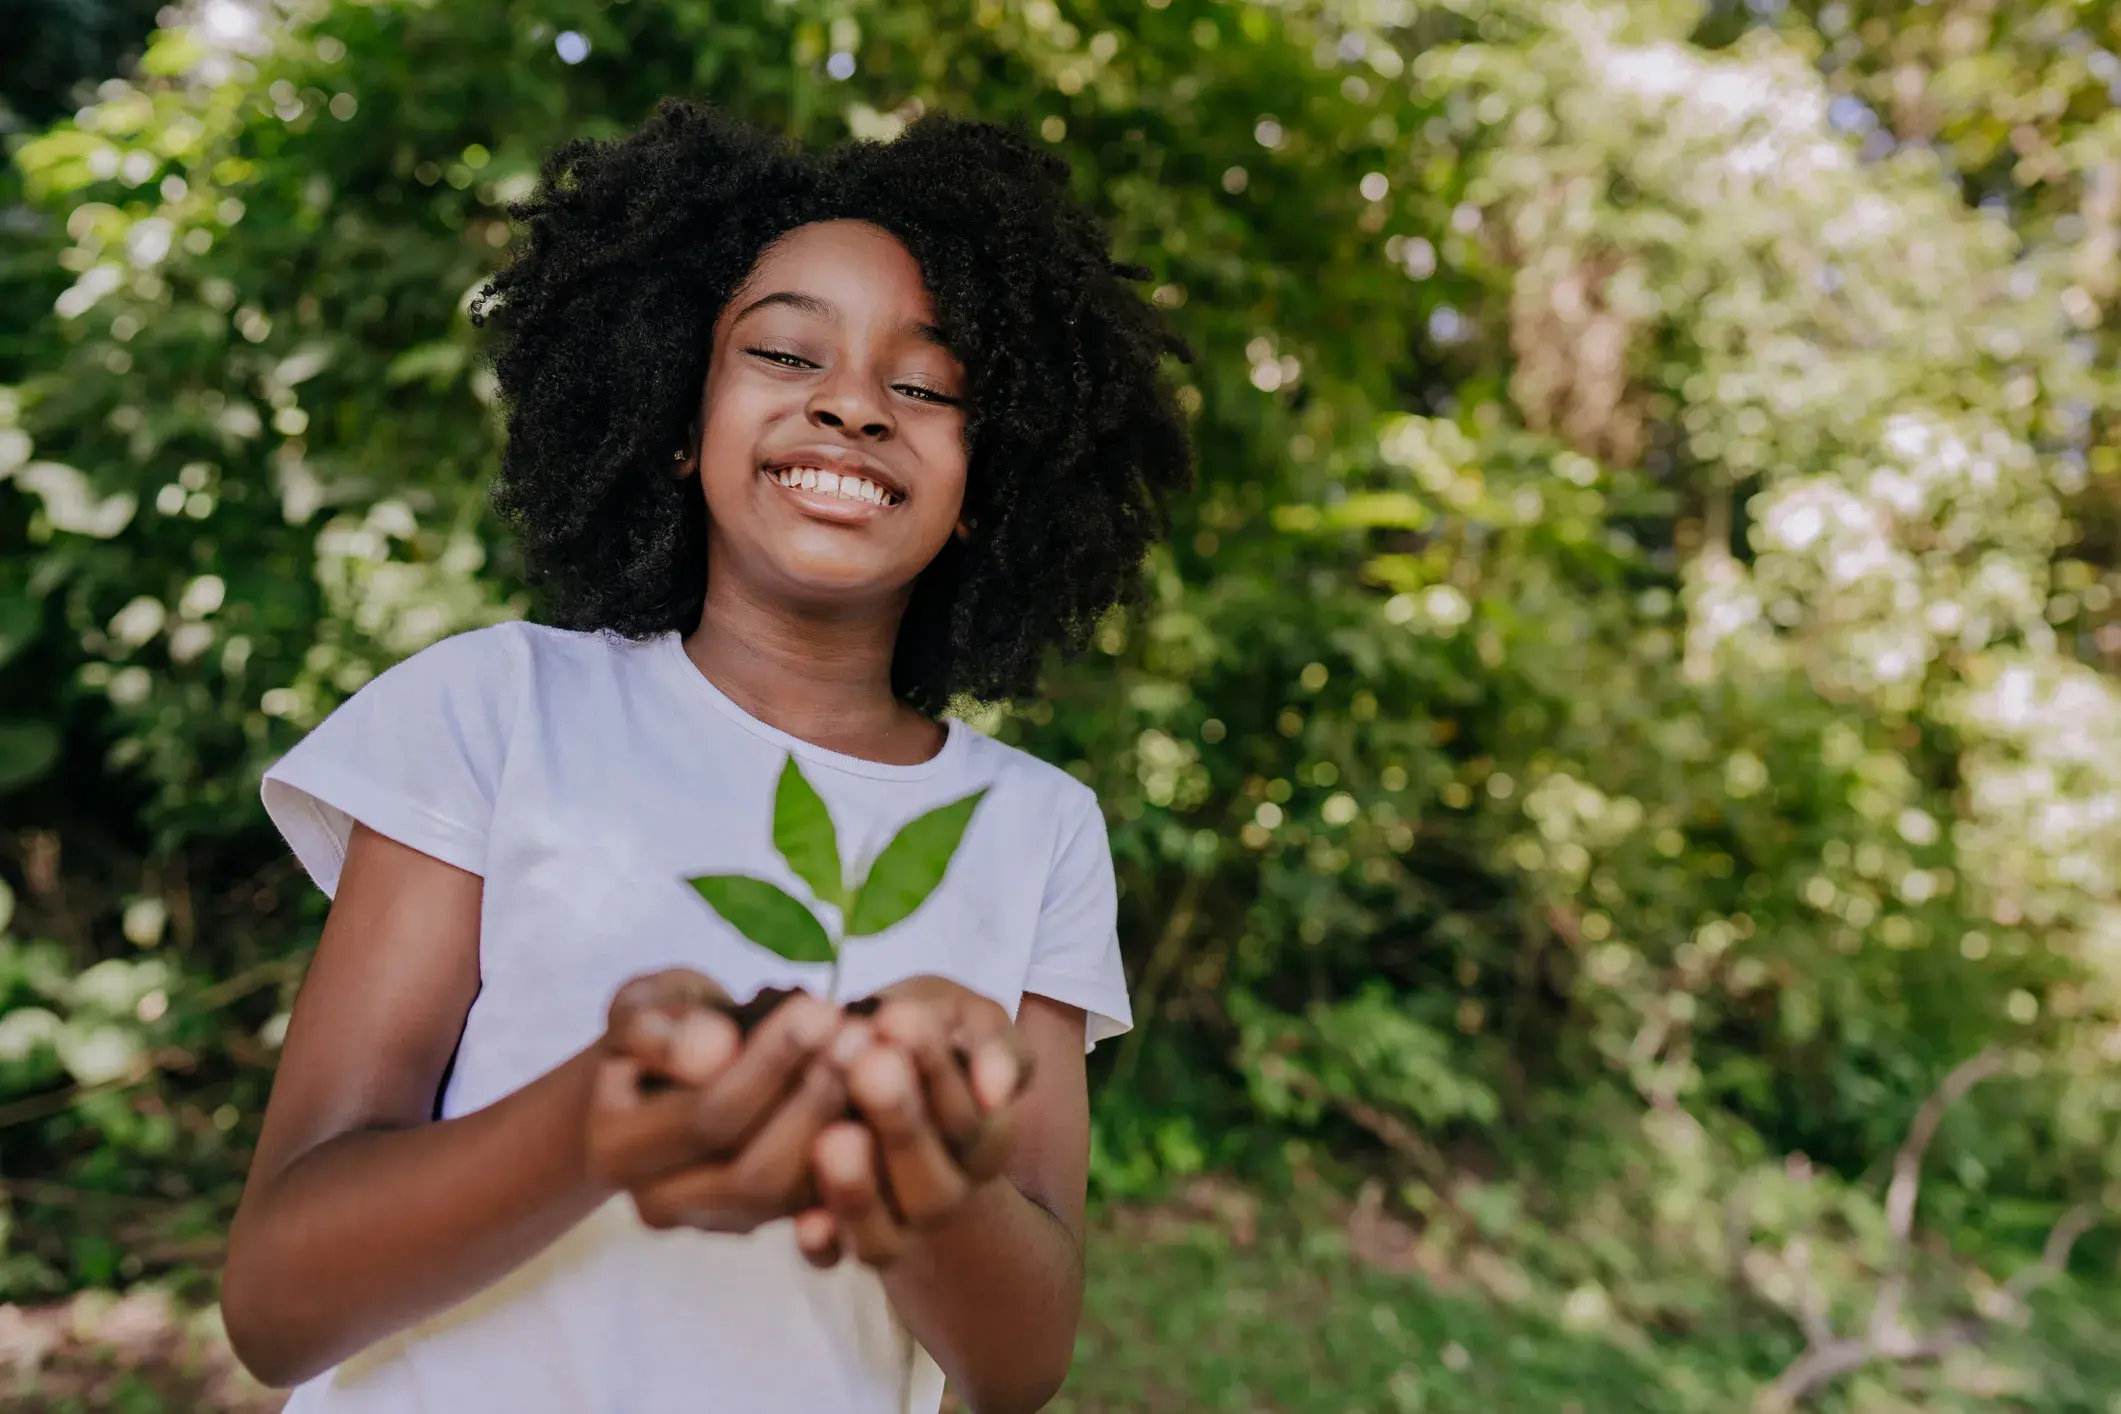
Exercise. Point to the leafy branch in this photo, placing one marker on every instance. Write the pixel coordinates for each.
(1886, 1335)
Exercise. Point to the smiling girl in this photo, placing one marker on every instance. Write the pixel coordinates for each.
(802, 448)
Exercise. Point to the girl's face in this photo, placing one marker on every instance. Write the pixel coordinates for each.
(832, 453)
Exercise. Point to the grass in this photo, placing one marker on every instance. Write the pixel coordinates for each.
(1211, 1308)
(1202, 1316)
(1182, 1317)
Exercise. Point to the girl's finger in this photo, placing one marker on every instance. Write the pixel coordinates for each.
(730, 1110)
(671, 991)
(922, 1180)
(817, 1237)
(844, 1160)
(919, 1032)
(651, 1014)
(645, 1036)
(705, 1044)
(769, 1179)
(1001, 1069)
(985, 1158)
(634, 1136)
(773, 1168)
(999, 1057)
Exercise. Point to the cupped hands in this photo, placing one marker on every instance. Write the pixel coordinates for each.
(863, 1128)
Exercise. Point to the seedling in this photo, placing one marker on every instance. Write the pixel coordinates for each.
(896, 883)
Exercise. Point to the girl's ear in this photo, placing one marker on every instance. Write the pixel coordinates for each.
(684, 461)
(964, 530)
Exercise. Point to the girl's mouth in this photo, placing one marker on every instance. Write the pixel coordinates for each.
(834, 485)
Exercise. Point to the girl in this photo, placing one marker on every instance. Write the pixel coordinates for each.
(801, 448)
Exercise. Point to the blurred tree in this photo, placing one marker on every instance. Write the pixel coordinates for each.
(1626, 704)
(53, 45)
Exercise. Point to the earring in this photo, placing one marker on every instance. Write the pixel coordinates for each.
(678, 455)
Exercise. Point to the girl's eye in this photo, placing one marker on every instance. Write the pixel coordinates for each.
(781, 357)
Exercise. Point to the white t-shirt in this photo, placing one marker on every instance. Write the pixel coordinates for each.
(585, 778)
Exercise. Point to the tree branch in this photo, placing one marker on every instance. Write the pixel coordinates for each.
(1388, 1129)
(1810, 1300)
(1163, 960)
(1828, 1357)
(1738, 1230)
(1820, 1365)
(2053, 1260)
(265, 974)
(2054, 1257)
(1907, 1182)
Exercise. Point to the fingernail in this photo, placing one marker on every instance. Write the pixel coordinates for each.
(836, 1155)
(853, 1040)
(699, 1047)
(814, 1023)
(892, 1077)
(995, 1077)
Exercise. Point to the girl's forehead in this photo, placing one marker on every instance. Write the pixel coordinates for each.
(841, 248)
(838, 269)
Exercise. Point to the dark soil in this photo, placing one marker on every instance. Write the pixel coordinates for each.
(750, 1015)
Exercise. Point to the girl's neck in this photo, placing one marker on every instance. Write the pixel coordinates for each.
(824, 679)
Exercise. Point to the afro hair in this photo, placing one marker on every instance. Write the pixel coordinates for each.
(604, 320)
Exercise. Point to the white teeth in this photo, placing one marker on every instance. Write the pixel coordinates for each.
(831, 483)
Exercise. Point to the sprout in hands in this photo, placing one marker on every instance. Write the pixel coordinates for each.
(896, 883)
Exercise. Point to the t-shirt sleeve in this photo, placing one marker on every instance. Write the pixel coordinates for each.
(1075, 957)
(415, 755)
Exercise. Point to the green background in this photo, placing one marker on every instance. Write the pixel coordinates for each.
(1629, 707)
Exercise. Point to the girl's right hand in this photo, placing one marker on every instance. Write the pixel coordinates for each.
(719, 1136)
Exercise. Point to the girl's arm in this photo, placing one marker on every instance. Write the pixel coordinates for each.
(361, 1217)
(996, 1293)
(993, 1290)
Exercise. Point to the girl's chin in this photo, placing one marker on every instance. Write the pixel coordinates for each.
(814, 566)
(811, 580)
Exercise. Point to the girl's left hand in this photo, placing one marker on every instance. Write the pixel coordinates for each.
(934, 1130)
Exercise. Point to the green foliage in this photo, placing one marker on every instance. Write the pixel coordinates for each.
(1368, 1049)
(55, 44)
(803, 833)
(768, 916)
(908, 869)
(897, 883)
(28, 751)
(1191, 1310)
(1630, 702)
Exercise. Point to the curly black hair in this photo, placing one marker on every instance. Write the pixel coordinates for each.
(604, 322)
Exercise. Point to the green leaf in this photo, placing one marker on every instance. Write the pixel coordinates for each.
(27, 751)
(766, 914)
(802, 832)
(439, 363)
(173, 52)
(19, 621)
(910, 867)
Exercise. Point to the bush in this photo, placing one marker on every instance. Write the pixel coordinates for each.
(1627, 704)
